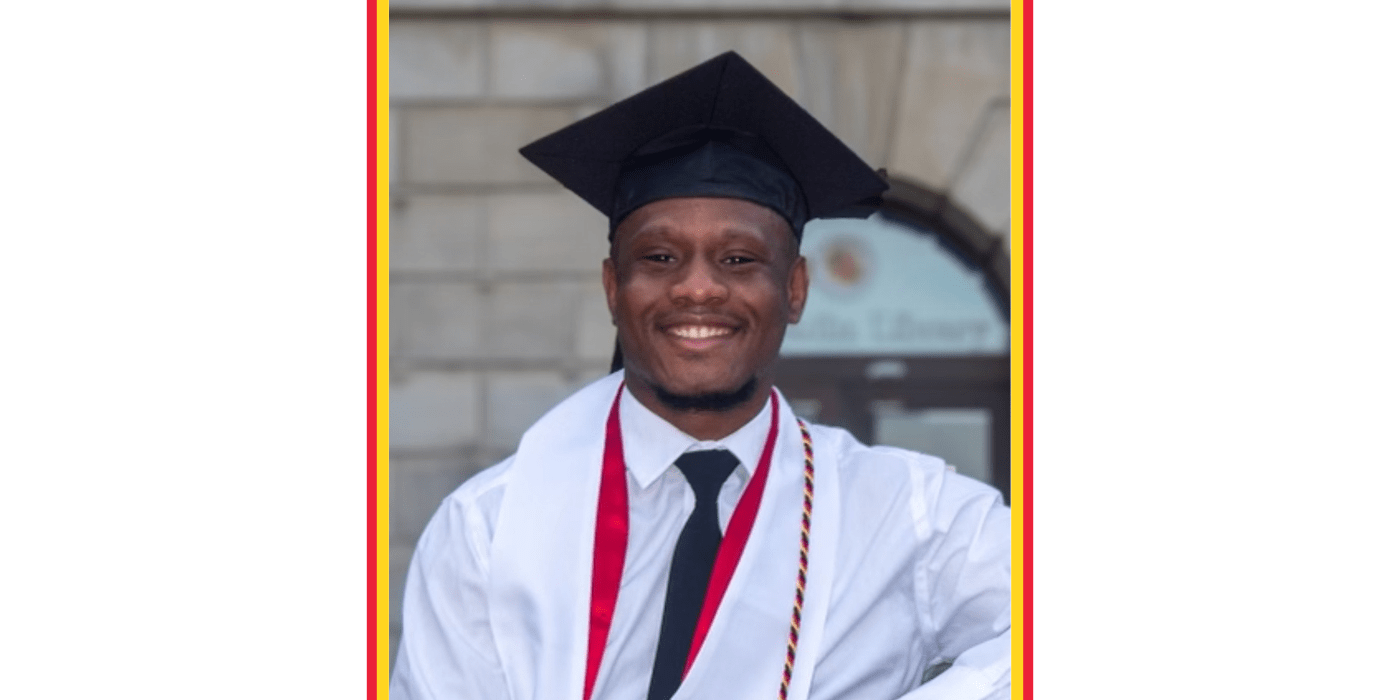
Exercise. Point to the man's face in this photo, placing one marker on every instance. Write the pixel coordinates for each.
(702, 290)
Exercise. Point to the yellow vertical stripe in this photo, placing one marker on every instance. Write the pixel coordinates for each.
(1018, 357)
(381, 281)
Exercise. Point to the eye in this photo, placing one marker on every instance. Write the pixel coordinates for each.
(736, 259)
(659, 257)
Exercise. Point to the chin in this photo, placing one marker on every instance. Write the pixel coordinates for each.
(691, 383)
(707, 400)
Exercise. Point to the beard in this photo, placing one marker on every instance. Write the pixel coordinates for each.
(717, 401)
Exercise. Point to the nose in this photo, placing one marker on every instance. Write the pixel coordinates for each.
(699, 284)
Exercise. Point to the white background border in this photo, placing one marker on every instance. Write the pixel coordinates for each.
(1215, 349)
(185, 410)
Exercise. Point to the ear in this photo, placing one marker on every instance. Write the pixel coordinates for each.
(797, 289)
(610, 287)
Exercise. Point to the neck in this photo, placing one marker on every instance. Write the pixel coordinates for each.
(701, 424)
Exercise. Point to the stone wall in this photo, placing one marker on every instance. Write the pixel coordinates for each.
(496, 311)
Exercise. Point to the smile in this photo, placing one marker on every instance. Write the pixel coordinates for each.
(699, 332)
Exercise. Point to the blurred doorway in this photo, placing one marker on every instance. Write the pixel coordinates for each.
(906, 338)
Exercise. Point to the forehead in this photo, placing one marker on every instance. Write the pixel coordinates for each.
(688, 217)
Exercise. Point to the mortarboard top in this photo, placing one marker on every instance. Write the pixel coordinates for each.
(720, 129)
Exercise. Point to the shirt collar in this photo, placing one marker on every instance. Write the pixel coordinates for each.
(650, 444)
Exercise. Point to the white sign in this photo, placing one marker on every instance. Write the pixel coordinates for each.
(881, 288)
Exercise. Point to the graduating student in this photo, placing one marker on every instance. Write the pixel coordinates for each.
(673, 530)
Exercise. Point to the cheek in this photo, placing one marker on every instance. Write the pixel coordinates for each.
(635, 303)
(633, 296)
(776, 313)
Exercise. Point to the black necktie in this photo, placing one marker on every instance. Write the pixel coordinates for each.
(690, 568)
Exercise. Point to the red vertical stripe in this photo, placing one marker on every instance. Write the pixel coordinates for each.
(1028, 382)
(609, 546)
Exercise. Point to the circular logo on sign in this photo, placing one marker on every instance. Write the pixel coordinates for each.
(844, 265)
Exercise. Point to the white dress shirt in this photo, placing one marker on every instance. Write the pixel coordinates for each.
(922, 575)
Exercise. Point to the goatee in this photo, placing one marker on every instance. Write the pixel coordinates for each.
(718, 401)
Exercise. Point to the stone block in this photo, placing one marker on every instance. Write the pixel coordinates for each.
(399, 559)
(983, 185)
(436, 60)
(438, 233)
(435, 320)
(530, 320)
(721, 5)
(768, 45)
(515, 400)
(926, 5)
(567, 60)
(395, 145)
(438, 411)
(540, 6)
(596, 332)
(849, 77)
(546, 231)
(475, 145)
(954, 70)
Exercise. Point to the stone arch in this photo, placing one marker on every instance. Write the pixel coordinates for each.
(956, 229)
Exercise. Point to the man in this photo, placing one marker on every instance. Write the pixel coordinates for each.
(673, 530)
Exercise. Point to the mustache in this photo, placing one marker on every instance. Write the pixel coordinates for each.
(715, 401)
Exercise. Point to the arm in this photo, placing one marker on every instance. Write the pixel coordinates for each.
(964, 588)
(447, 650)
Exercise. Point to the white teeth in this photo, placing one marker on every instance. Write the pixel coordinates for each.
(699, 331)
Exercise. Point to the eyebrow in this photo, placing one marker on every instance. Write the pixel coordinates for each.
(663, 228)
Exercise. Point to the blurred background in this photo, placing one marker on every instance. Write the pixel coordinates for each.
(496, 309)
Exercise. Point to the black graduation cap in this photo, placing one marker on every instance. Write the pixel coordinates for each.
(720, 129)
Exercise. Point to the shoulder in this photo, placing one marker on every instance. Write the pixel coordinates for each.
(854, 454)
(482, 486)
(876, 462)
(931, 490)
(465, 521)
